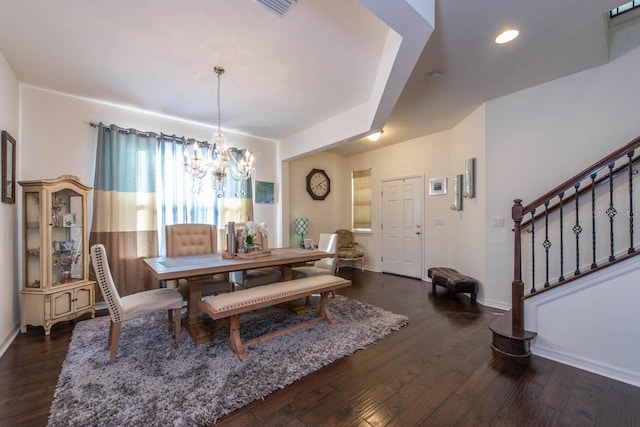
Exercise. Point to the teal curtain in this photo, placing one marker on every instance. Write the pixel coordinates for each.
(124, 204)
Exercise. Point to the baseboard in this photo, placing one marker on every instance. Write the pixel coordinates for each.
(9, 339)
(494, 304)
(622, 375)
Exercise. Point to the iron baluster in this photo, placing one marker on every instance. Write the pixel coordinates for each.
(593, 219)
(546, 244)
(533, 250)
(561, 278)
(577, 230)
(631, 212)
(611, 211)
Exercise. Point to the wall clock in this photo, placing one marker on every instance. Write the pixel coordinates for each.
(318, 184)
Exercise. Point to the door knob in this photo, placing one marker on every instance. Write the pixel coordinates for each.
(418, 233)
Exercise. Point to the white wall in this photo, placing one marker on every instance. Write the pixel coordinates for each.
(599, 335)
(9, 261)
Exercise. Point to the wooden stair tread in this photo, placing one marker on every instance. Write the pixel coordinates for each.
(503, 326)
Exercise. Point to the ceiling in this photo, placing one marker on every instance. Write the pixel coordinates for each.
(284, 74)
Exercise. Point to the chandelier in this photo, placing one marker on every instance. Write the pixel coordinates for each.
(216, 158)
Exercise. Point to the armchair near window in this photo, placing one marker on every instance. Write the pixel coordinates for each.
(349, 249)
(195, 239)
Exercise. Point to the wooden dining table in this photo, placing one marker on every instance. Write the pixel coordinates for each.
(197, 268)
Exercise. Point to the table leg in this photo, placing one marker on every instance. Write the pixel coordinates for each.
(193, 322)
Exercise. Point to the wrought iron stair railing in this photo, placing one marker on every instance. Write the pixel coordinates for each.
(581, 226)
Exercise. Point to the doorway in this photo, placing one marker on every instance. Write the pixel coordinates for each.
(402, 213)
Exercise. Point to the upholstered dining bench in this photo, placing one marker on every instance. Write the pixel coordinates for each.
(453, 281)
(233, 304)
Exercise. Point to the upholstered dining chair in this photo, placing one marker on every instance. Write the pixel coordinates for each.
(195, 239)
(257, 276)
(132, 306)
(348, 249)
(327, 243)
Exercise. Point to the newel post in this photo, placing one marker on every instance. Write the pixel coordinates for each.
(517, 287)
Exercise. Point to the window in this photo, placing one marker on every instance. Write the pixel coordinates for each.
(624, 8)
(361, 199)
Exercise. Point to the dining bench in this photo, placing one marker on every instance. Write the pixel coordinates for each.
(233, 304)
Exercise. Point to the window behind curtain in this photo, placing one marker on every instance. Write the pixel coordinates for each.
(176, 203)
(361, 199)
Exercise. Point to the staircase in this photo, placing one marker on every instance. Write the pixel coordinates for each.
(583, 226)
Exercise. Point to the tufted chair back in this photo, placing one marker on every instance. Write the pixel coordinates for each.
(191, 239)
(106, 283)
(345, 239)
(194, 239)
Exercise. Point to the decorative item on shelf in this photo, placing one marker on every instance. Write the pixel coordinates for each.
(68, 220)
(56, 206)
(469, 179)
(217, 159)
(302, 227)
(457, 193)
(308, 243)
(64, 264)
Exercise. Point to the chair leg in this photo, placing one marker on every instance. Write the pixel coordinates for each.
(177, 317)
(114, 338)
(170, 318)
(110, 333)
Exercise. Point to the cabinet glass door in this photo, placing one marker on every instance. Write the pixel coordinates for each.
(66, 237)
(32, 239)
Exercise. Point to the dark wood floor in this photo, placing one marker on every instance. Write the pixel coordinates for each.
(437, 371)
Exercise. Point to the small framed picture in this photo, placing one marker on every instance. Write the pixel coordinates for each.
(265, 192)
(437, 186)
(69, 220)
(308, 243)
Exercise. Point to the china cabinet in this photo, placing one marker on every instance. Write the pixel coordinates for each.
(56, 285)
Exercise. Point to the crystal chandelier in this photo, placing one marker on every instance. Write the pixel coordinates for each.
(217, 159)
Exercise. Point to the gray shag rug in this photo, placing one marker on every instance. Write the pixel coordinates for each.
(154, 383)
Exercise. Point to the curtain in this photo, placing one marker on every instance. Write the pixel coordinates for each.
(178, 203)
(124, 204)
(237, 203)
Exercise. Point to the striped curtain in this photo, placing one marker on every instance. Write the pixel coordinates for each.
(124, 204)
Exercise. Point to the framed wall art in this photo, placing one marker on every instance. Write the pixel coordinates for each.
(8, 168)
(265, 192)
(437, 186)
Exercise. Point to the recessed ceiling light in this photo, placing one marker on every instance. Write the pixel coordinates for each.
(507, 36)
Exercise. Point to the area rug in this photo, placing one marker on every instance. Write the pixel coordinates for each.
(154, 383)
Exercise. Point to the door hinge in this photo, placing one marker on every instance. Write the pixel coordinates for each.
(381, 226)
(381, 258)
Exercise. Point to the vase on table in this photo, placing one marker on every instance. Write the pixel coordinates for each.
(248, 247)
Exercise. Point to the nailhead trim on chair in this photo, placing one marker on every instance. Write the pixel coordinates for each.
(98, 253)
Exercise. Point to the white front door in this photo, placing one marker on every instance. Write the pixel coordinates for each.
(402, 202)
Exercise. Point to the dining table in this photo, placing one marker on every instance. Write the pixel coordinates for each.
(198, 268)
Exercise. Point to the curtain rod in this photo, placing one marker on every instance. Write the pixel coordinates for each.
(175, 138)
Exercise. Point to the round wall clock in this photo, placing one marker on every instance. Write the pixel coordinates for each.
(318, 184)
